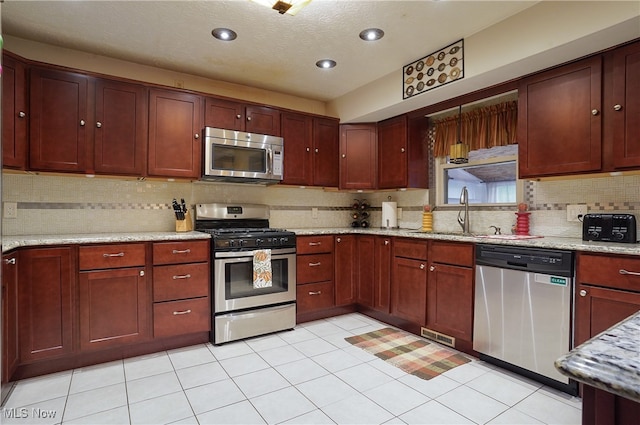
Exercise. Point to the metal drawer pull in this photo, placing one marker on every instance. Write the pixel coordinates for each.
(422, 266)
(10, 260)
(120, 254)
(315, 293)
(177, 313)
(315, 264)
(186, 251)
(315, 243)
(583, 293)
(184, 276)
(623, 271)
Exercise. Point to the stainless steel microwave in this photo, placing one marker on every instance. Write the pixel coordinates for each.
(236, 156)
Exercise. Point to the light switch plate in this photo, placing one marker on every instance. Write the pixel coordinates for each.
(576, 212)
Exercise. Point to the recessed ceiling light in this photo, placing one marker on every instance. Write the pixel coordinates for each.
(371, 34)
(326, 63)
(224, 34)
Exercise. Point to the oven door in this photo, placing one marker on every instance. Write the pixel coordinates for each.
(233, 287)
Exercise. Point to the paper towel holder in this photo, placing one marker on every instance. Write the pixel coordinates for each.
(389, 215)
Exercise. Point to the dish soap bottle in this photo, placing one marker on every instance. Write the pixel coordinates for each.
(427, 219)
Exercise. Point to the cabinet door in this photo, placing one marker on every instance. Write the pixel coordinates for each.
(297, 130)
(345, 263)
(14, 113)
(121, 128)
(450, 300)
(326, 135)
(597, 309)
(365, 270)
(358, 165)
(46, 303)
(560, 119)
(59, 124)
(175, 123)
(392, 151)
(262, 120)
(626, 107)
(382, 274)
(409, 290)
(9, 316)
(114, 307)
(225, 114)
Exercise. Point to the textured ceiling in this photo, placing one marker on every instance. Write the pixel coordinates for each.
(274, 52)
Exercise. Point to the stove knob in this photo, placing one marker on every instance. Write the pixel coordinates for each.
(594, 235)
(232, 243)
(241, 242)
(259, 242)
(618, 236)
(284, 240)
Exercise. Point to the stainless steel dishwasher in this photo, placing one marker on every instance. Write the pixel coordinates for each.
(523, 310)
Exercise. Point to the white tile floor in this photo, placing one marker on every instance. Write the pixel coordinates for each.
(307, 376)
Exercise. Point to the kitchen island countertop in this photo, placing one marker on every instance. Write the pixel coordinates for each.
(609, 361)
(572, 244)
(12, 242)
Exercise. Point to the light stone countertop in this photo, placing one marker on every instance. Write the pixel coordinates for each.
(609, 361)
(12, 242)
(572, 244)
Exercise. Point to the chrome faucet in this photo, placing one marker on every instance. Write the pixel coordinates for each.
(464, 221)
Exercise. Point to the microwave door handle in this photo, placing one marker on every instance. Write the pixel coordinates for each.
(269, 161)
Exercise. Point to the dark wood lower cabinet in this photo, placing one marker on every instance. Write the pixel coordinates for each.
(46, 303)
(450, 300)
(409, 289)
(345, 269)
(114, 307)
(603, 408)
(382, 274)
(10, 349)
(365, 270)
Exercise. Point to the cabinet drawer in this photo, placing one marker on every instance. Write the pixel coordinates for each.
(459, 254)
(314, 244)
(181, 317)
(180, 281)
(111, 256)
(410, 249)
(314, 268)
(314, 296)
(609, 271)
(180, 252)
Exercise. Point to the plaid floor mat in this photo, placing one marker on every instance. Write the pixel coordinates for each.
(408, 352)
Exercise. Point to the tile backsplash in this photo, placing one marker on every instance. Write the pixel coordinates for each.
(76, 204)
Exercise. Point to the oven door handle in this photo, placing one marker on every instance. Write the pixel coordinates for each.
(239, 254)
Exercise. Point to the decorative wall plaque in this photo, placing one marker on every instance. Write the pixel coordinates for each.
(437, 69)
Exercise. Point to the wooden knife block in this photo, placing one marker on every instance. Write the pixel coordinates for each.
(185, 225)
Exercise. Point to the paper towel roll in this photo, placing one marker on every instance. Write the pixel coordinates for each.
(389, 215)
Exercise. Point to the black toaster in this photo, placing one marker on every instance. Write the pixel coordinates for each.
(609, 228)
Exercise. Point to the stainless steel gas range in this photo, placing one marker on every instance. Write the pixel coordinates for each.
(253, 271)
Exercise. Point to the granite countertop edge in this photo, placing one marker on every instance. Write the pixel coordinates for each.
(609, 361)
(12, 242)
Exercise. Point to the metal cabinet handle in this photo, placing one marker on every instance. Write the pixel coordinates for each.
(176, 313)
(184, 276)
(422, 266)
(623, 271)
(238, 116)
(594, 112)
(338, 240)
(248, 118)
(10, 260)
(315, 264)
(82, 123)
(402, 150)
(386, 242)
(617, 107)
(99, 124)
(315, 243)
(21, 114)
(196, 136)
(344, 155)
(186, 251)
(583, 293)
(315, 293)
(119, 254)
(432, 268)
(141, 273)
(316, 150)
(308, 149)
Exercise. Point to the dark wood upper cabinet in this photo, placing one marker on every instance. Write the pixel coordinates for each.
(625, 107)
(232, 115)
(297, 132)
(326, 137)
(121, 128)
(60, 127)
(393, 153)
(175, 124)
(15, 113)
(560, 120)
(358, 156)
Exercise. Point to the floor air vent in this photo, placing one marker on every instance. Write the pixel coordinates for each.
(438, 337)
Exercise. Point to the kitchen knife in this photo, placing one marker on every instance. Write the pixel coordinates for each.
(184, 207)
(177, 210)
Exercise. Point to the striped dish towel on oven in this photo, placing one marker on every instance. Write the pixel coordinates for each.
(262, 268)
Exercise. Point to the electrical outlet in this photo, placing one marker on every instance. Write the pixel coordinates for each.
(314, 213)
(576, 212)
(10, 210)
